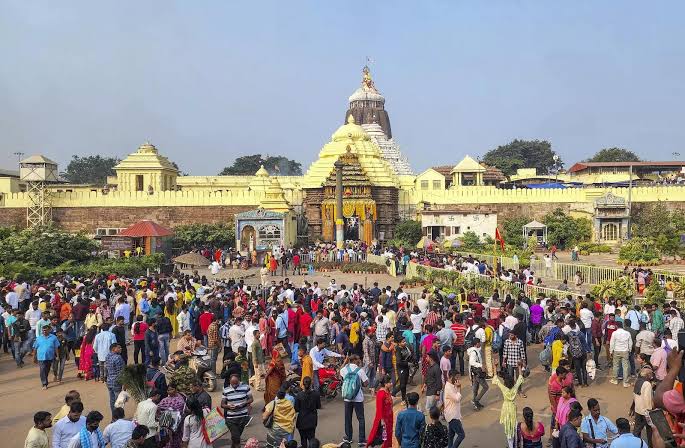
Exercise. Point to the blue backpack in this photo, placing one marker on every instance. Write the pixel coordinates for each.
(351, 384)
(497, 340)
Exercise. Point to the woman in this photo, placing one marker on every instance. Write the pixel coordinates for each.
(283, 424)
(275, 375)
(382, 422)
(170, 312)
(529, 433)
(507, 417)
(193, 435)
(557, 350)
(174, 402)
(85, 368)
(568, 397)
(307, 404)
(487, 351)
(426, 347)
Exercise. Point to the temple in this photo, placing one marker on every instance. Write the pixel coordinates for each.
(376, 191)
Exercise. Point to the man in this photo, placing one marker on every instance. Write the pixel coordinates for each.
(675, 323)
(644, 342)
(411, 424)
(659, 360)
(643, 399)
(146, 415)
(568, 434)
(459, 330)
(101, 344)
(119, 332)
(403, 357)
(201, 395)
(320, 325)
(478, 375)
(432, 383)
(152, 344)
(114, 365)
(213, 341)
(90, 436)
(156, 378)
(595, 427)
(236, 402)
(44, 349)
(21, 338)
(354, 378)
(69, 425)
(318, 354)
(119, 431)
(452, 410)
(513, 352)
(70, 397)
(37, 437)
(257, 358)
(625, 439)
(620, 345)
(138, 437)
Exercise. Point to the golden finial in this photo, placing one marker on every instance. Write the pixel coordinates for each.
(350, 119)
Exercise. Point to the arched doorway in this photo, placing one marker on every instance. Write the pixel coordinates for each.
(610, 232)
(248, 239)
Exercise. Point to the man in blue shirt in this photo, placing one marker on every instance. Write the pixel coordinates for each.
(626, 439)
(568, 435)
(44, 348)
(282, 330)
(595, 427)
(411, 424)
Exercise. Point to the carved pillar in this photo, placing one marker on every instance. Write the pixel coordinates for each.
(339, 230)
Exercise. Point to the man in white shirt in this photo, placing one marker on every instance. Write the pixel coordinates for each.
(620, 345)
(146, 413)
(68, 426)
(318, 354)
(510, 321)
(356, 403)
(237, 335)
(478, 381)
(423, 303)
(12, 299)
(675, 324)
(118, 433)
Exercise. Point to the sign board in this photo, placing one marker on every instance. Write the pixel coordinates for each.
(116, 243)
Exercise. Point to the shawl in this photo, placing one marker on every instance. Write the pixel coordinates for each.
(84, 437)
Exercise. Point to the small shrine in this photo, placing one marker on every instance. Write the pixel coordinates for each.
(263, 230)
(611, 218)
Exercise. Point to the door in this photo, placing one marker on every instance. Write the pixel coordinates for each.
(248, 239)
(610, 232)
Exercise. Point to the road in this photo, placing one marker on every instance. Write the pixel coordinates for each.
(20, 391)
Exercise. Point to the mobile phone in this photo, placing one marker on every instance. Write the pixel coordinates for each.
(681, 340)
(659, 419)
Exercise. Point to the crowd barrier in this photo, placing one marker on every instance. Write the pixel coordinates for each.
(504, 262)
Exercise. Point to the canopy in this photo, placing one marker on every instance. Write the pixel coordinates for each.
(454, 242)
(145, 228)
(192, 259)
(425, 243)
(546, 185)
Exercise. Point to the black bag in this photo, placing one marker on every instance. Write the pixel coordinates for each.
(269, 420)
(378, 438)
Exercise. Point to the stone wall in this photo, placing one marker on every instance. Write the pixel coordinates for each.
(87, 219)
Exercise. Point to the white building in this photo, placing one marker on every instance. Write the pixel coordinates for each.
(447, 224)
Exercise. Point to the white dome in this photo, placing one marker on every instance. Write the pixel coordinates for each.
(365, 94)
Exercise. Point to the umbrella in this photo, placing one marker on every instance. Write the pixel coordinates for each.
(192, 259)
(455, 242)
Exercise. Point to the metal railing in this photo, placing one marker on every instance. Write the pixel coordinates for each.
(504, 262)
(533, 291)
(333, 256)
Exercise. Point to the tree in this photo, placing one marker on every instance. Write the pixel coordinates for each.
(661, 226)
(90, 169)
(564, 230)
(408, 231)
(275, 165)
(524, 154)
(471, 241)
(512, 231)
(194, 236)
(45, 247)
(614, 155)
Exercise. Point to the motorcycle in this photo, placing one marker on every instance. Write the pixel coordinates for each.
(330, 382)
(201, 362)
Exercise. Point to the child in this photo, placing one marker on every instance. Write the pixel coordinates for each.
(436, 433)
(77, 352)
(61, 357)
(244, 366)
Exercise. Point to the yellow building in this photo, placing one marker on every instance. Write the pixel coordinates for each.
(378, 190)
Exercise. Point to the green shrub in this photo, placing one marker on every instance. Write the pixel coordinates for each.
(637, 250)
(409, 231)
(594, 248)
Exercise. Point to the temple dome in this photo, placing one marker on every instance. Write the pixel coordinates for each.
(350, 131)
(367, 91)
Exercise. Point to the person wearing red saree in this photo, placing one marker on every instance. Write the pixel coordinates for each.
(384, 414)
(85, 368)
(275, 376)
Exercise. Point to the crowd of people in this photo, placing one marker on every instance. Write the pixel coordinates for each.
(297, 344)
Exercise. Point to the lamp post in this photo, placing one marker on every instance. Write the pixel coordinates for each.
(555, 157)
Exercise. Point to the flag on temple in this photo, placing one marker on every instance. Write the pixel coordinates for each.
(498, 238)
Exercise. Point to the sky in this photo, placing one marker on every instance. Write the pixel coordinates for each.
(209, 81)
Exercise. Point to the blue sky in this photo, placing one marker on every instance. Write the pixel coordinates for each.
(208, 81)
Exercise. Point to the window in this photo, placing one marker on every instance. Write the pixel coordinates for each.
(139, 182)
(105, 231)
(436, 185)
(424, 185)
(456, 230)
(269, 232)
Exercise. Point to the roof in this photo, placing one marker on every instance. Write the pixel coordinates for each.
(468, 165)
(534, 225)
(493, 173)
(445, 170)
(192, 259)
(584, 165)
(38, 158)
(145, 228)
(8, 173)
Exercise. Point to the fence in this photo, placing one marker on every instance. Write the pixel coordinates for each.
(533, 291)
(492, 260)
(391, 264)
(333, 256)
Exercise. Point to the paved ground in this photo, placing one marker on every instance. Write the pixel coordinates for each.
(21, 393)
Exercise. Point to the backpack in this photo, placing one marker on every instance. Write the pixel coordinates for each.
(469, 338)
(546, 356)
(351, 384)
(150, 384)
(497, 340)
(575, 347)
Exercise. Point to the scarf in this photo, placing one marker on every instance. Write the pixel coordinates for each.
(84, 436)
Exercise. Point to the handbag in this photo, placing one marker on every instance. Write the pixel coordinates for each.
(379, 438)
(214, 425)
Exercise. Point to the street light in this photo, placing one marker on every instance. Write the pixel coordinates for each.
(555, 157)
